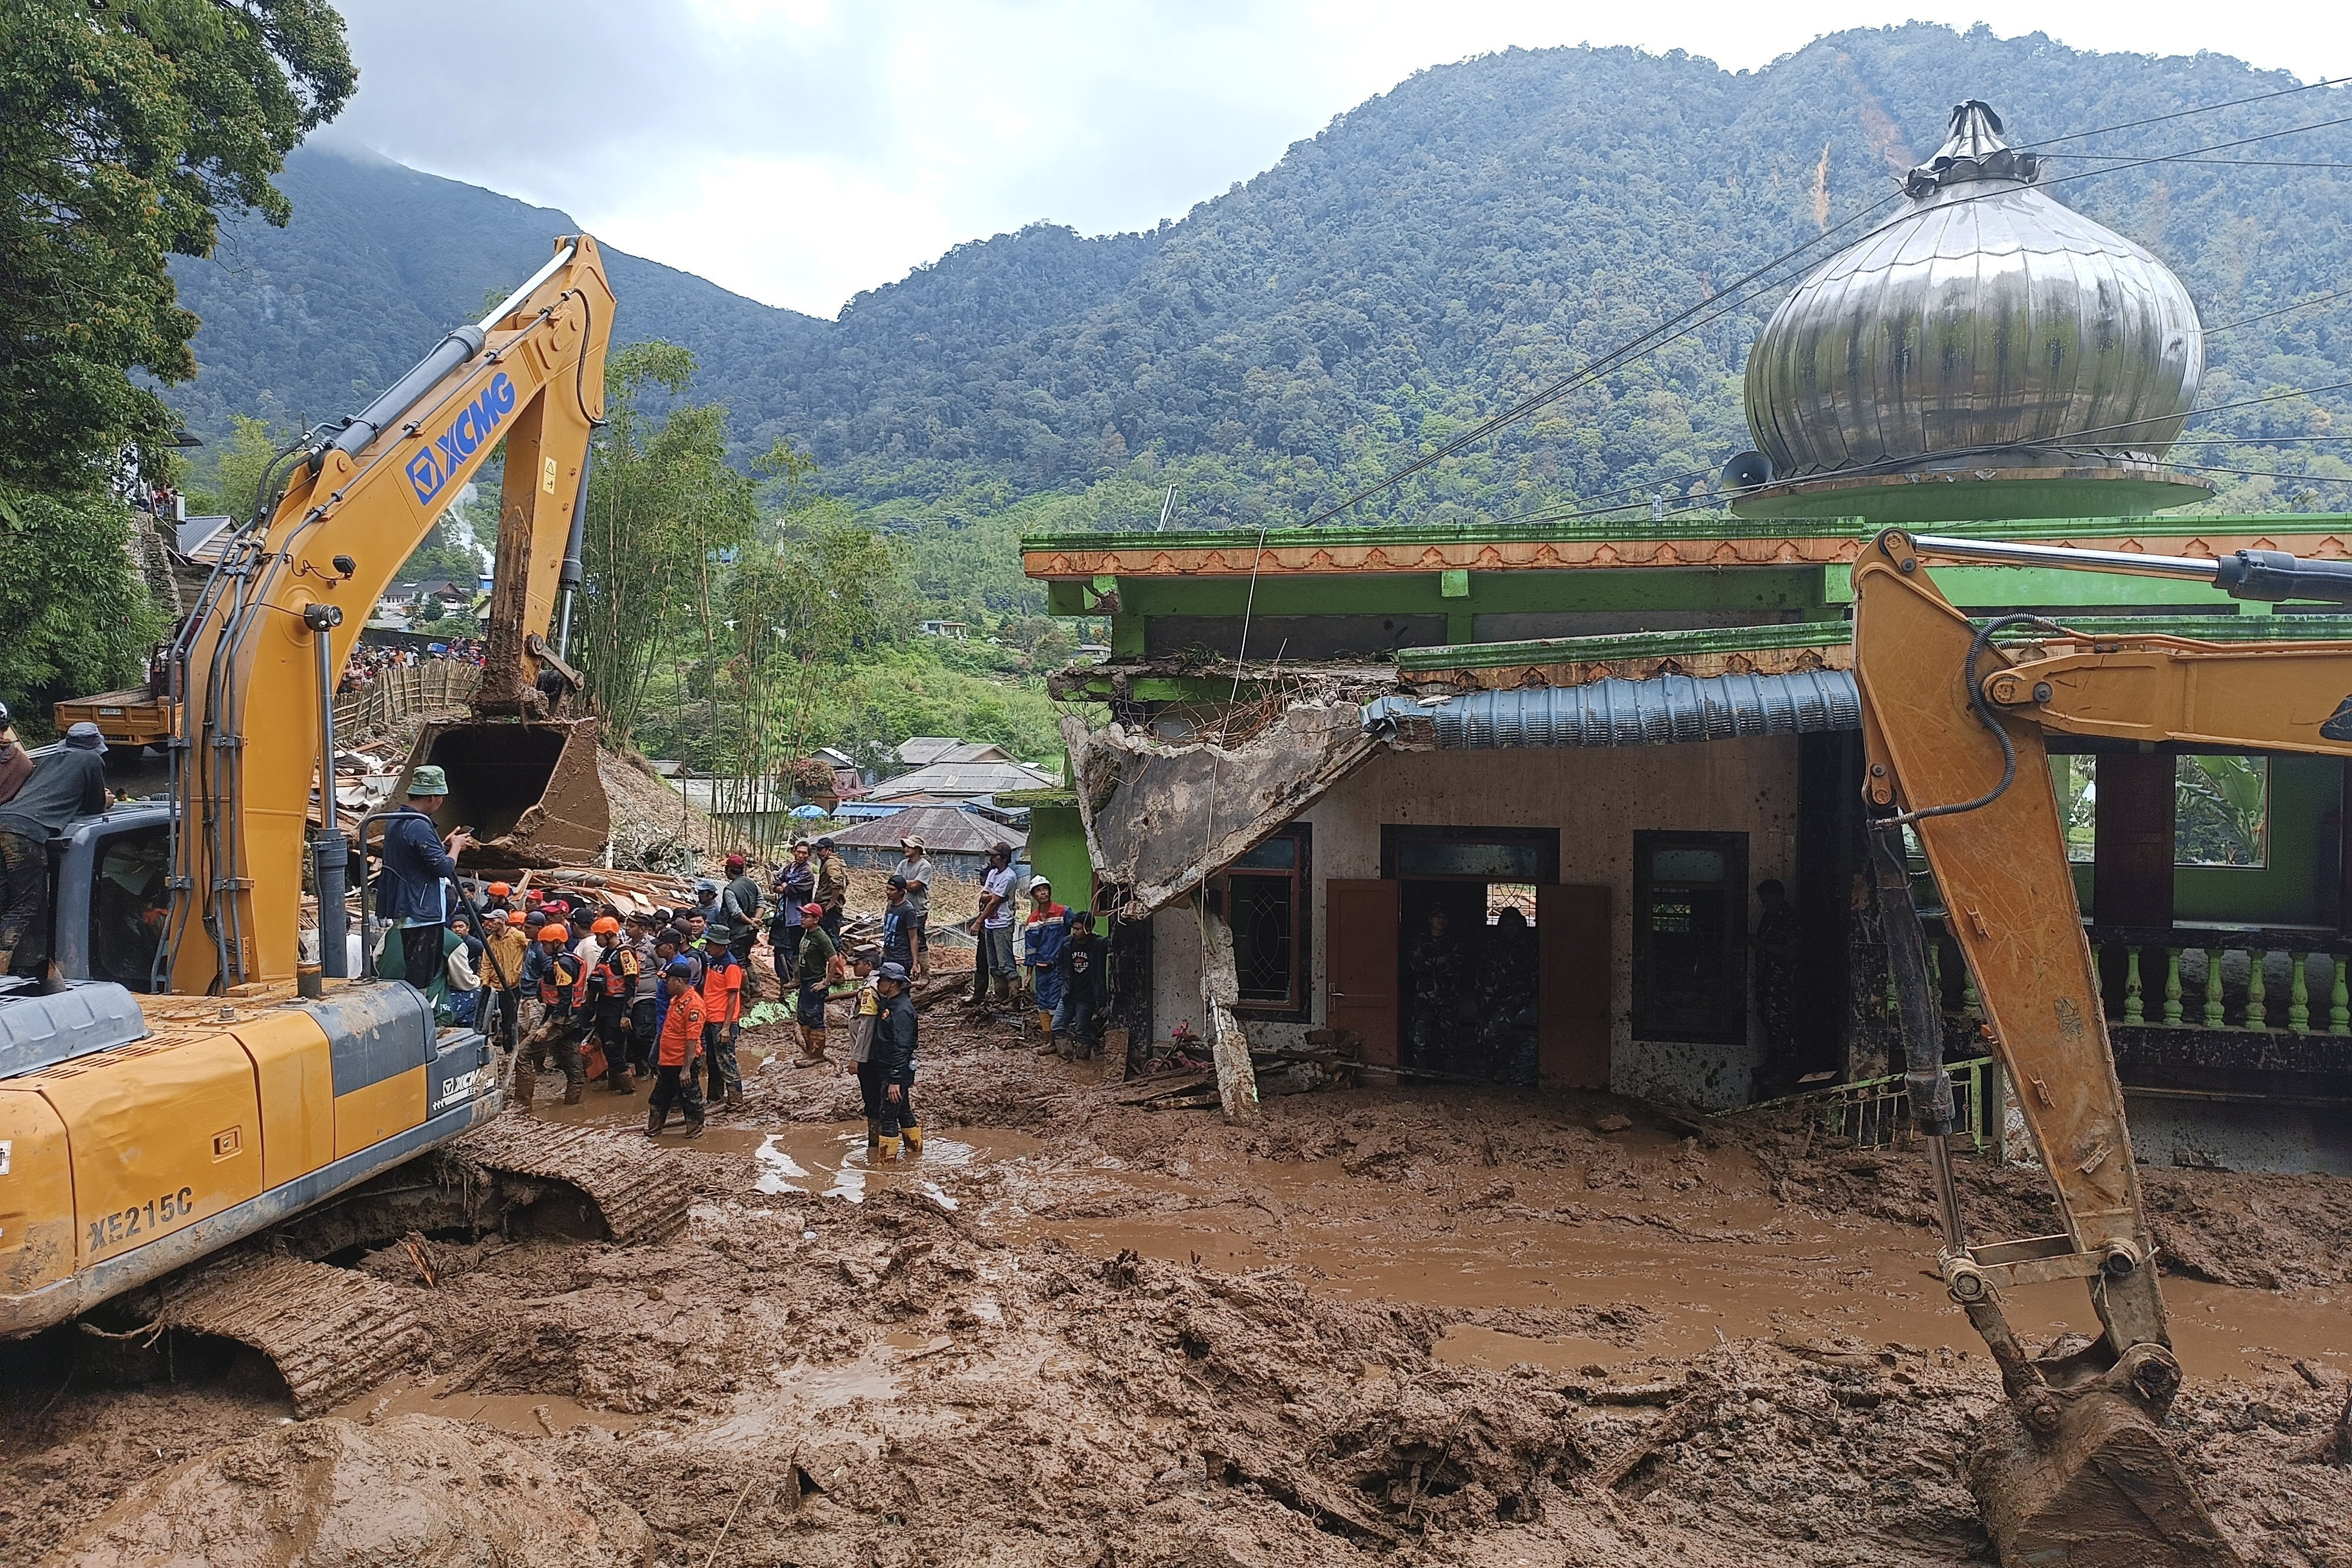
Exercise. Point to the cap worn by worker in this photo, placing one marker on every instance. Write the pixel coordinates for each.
(911, 843)
(892, 971)
(735, 863)
(85, 736)
(679, 969)
(824, 843)
(1000, 851)
(428, 781)
(554, 931)
(536, 917)
(812, 911)
(898, 882)
(714, 937)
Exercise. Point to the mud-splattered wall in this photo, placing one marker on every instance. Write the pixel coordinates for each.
(1597, 800)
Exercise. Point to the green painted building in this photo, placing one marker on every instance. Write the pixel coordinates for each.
(1638, 866)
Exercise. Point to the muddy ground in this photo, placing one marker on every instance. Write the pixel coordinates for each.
(1457, 1326)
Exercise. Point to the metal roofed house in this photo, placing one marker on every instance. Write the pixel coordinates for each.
(948, 782)
(956, 839)
(921, 750)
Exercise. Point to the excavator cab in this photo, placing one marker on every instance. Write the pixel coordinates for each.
(528, 790)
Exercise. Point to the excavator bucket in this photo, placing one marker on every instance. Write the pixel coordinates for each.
(2101, 1492)
(529, 792)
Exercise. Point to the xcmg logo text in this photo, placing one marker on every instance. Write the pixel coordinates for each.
(466, 435)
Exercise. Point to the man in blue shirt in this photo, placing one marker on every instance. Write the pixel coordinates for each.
(409, 893)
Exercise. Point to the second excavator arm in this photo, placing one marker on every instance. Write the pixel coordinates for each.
(1954, 719)
(254, 664)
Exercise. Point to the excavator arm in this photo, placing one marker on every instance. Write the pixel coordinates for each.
(256, 663)
(1954, 721)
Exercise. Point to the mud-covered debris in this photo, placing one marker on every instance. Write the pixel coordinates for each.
(415, 1491)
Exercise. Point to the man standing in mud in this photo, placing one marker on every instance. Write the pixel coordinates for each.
(678, 1060)
(892, 1062)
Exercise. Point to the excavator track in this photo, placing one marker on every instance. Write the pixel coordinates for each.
(639, 1193)
(332, 1333)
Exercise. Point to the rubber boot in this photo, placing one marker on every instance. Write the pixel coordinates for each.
(886, 1150)
(872, 1133)
(526, 1083)
(619, 1081)
(655, 1117)
(913, 1138)
(571, 1094)
(732, 1098)
(694, 1129)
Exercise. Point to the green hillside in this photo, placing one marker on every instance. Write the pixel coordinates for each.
(1433, 254)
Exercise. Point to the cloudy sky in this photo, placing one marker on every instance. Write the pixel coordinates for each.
(799, 150)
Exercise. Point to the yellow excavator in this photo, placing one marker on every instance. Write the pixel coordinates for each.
(2073, 1471)
(182, 1079)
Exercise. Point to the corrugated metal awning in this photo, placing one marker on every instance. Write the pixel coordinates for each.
(1659, 711)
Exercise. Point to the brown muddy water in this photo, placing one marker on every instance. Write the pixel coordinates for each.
(1670, 1272)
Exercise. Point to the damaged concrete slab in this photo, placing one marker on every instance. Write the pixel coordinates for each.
(1161, 818)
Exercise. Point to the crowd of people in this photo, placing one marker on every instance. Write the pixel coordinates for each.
(370, 662)
(658, 996)
(653, 995)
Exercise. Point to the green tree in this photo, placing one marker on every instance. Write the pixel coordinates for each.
(78, 620)
(125, 128)
(663, 505)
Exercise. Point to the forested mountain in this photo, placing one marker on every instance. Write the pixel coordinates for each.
(1432, 256)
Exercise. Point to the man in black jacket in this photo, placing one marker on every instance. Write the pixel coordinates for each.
(892, 1059)
(69, 782)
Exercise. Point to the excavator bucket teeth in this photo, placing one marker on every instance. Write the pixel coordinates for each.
(530, 792)
(332, 1334)
(635, 1193)
(2102, 1492)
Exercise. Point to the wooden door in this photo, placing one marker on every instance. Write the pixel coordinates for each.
(1361, 965)
(1574, 985)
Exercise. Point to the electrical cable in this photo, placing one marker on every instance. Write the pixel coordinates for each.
(2183, 114)
(2281, 310)
(2230, 162)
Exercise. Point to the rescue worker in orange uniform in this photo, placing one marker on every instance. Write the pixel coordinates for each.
(677, 1058)
(561, 983)
(612, 988)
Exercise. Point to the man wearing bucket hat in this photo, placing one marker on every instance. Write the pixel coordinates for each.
(412, 894)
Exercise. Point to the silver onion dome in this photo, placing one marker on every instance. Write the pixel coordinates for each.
(1988, 327)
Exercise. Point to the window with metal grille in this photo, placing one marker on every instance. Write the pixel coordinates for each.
(1267, 907)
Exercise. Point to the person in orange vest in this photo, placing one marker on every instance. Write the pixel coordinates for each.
(722, 1009)
(561, 983)
(677, 1057)
(612, 989)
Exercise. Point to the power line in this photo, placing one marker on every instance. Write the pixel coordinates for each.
(2183, 114)
(2283, 311)
(2232, 162)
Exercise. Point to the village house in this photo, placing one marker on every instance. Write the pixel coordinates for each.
(1639, 864)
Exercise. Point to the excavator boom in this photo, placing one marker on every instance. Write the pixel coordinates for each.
(1954, 721)
(254, 664)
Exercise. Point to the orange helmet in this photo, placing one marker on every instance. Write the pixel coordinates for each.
(511, 917)
(554, 931)
(499, 890)
(605, 925)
